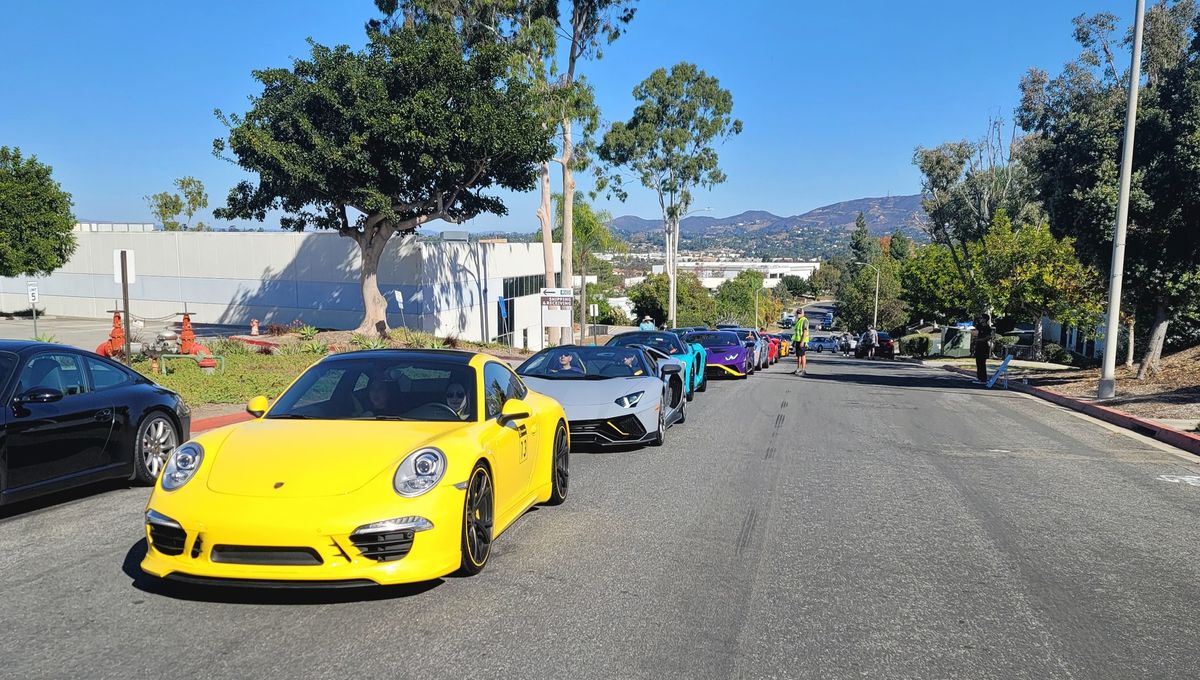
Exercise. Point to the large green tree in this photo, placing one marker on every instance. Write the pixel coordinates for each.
(1077, 118)
(650, 298)
(668, 143)
(738, 298)
(37, 228)
(416, 127)
(856, 297)
(932, 287)
(863, 246)
(167, 207)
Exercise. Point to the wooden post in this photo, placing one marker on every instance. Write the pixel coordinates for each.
(125, 298)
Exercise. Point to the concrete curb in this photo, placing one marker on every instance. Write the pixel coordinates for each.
(1163, 433)
(205, 424)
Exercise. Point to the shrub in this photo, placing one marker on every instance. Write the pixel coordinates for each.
(245, 376)
(277, 329)
(45, 338)
(226, 347)
(315, 347)
(915, 345)
(1056, 354)
(307, 332)
(417, 339)
(360, 341)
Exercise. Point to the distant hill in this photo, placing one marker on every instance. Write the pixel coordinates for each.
(884, 215)
(821, 232)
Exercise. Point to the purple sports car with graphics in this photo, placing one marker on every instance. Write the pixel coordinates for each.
(727, 356)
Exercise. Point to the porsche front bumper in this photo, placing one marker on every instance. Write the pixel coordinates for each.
(304, 542)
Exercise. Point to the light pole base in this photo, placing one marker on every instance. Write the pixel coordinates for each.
(1108, 388)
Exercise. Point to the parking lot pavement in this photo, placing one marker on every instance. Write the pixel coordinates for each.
(872, 519)
(89, 333)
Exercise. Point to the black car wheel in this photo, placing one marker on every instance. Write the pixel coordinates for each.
(703, 382)
(477, 521)
(156, 439)
(660, 437)
(560, 470)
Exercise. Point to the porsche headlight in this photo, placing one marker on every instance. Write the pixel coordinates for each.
(629, 400)
(420, 472)
(182, 465)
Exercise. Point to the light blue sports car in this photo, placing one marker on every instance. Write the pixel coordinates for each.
(693, 355)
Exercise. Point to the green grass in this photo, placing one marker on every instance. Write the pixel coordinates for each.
(245, 376)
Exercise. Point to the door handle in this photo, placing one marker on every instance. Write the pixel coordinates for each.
(104, 414)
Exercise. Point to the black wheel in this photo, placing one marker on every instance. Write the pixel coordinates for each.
(560, 471)
(820, 349)
(703, 382)
(156, 439)
(690, 392)
(661, 436)
(477, 521)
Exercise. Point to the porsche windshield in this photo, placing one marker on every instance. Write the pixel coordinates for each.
(666, 342)
(403, 388)
(715, 339)
(585, 363)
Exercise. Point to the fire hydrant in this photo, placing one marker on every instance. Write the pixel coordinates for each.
(115, 345)
(187, 338)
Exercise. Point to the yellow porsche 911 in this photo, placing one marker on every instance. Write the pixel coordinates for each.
(374, 467)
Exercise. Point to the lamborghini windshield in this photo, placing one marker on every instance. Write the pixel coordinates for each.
(715, 339)
(585, 363)
(374, 388)
(664, 342)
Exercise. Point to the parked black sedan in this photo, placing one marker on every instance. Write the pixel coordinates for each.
(71, 417)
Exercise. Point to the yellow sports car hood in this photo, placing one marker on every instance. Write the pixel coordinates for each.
(306, 459)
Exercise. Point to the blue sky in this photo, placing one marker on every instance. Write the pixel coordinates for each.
(118, 97)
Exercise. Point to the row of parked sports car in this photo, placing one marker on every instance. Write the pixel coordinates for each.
(371, 468)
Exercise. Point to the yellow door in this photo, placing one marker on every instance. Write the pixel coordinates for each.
(510, 446)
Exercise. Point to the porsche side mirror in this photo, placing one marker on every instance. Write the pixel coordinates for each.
(257, 406)
(39, 395)
(513, 410)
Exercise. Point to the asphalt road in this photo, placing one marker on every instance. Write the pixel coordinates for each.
(870, 520)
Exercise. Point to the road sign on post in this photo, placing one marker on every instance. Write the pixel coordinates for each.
(556, 307)
(32, 288)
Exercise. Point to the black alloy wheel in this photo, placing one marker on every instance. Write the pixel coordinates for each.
(560, 471)
(477, 521)
(660, 437)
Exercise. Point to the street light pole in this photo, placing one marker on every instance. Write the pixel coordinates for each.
(756, 316)
(875, 322)
(1108, 370)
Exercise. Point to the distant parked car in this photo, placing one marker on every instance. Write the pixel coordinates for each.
(823, 343)
(885, 350)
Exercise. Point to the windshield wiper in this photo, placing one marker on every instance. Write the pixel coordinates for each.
(289, 416)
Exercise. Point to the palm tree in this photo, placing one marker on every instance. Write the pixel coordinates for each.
(591, 235)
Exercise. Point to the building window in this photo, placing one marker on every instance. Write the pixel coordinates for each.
(520, 286)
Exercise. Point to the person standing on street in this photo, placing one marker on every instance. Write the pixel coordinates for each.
(983, 347)
(647, 324)
(800, 342)
(846, 344)
(872, 341)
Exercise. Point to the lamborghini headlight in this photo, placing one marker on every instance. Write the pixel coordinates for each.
(420, 472)
(629, 400)
(182, 465)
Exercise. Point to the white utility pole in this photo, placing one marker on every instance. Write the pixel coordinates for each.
(1108, 380)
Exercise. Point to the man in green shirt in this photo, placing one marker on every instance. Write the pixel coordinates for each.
(800, 342)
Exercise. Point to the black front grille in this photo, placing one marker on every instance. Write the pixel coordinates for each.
(197, 546)
(622, 428)
(167, 540)
(384, 547)
(266, 555)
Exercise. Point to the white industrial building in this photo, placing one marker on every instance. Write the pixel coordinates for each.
(713, 274)
(445, 287)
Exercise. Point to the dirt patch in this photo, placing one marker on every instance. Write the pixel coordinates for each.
(1173, 393)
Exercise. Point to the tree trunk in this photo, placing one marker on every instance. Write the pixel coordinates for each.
(1129, 340)
(568, 225)
(583, 300)
(544, 217)
(1157, 336)
(371, 244)
(671, 236)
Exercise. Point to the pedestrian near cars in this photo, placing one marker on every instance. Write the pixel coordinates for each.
(800, 342)
(983, 347)
(872, 341)
(845, 344)
(647, 324)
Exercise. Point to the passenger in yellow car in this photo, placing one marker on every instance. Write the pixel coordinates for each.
(378, 399)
